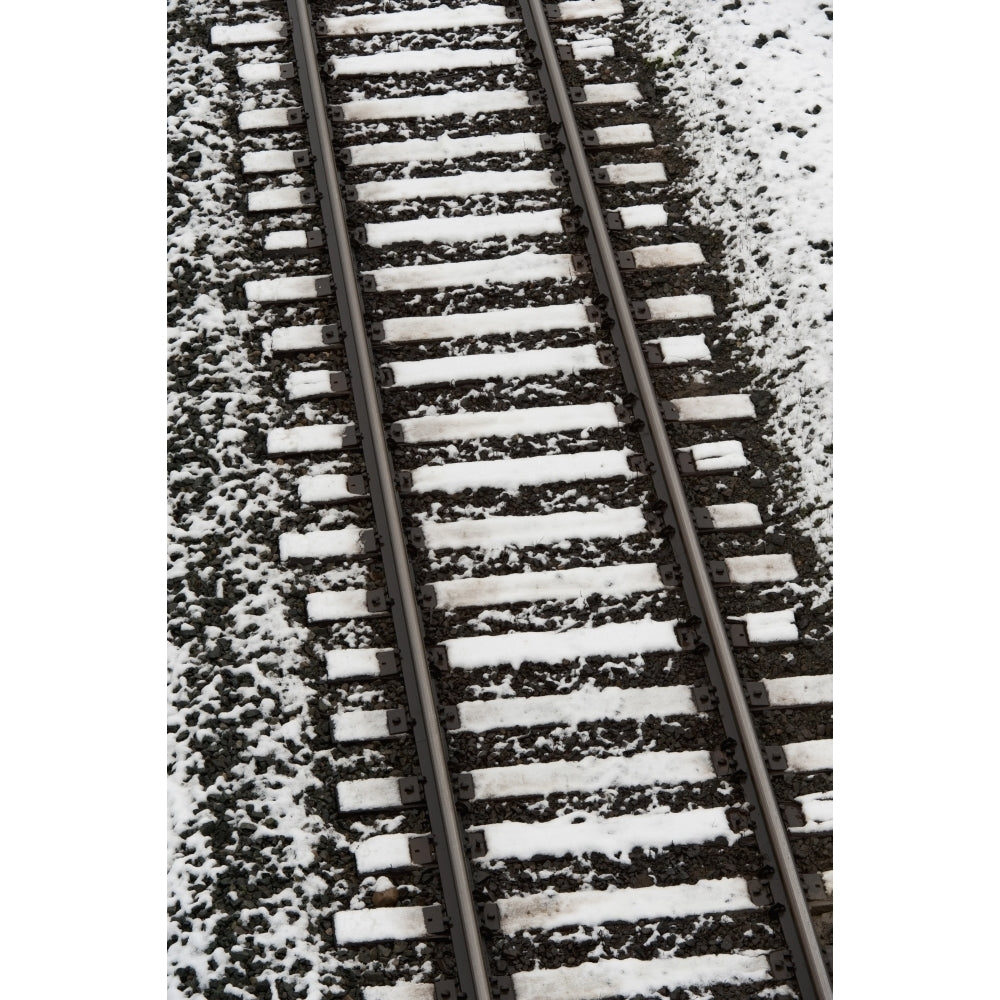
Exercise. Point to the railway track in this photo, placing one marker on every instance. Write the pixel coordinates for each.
(508, 496)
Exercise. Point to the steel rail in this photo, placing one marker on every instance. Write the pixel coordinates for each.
(471, 962)
(668, 480)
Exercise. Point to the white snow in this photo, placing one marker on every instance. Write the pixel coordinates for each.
(732, 406)
(384, 852)
(576, 10)
(668, 255)
(680, 350)
(787, 692)
(456, 185)
(548, 585)
(343, 664)
(772, 568)
(670, 307)
(368, 794)
(274, 199)
(325, 606)
(532, 529)
(423, 19)
(611, 93)
(760, 137)
(514, 648)
(623, 135)
(642, 216)
(359, 725)
(771, 626)
(298, 440)
(260, 72)
(590, 908)
(591, 774)
(817, 808)
(420, 61)
(511, 474)
(455, 102)
(286, 239)
(399, 991)
(592, 48)
(828, 880)
(587, 705)
(734, 515)
(635, 173)
(469, 425)
(298, 338)
(324, 544)
(386, 923)
(464, 228)
(524, 319)
(717, 456)
(269, 161)
(264, 118)
(520, 364)
(513, 270)
(583, 833)
(443, 147)
(284, 289)
(809, 755)
(308, 384)
(248, 33)
(630, 977)
(328, 488)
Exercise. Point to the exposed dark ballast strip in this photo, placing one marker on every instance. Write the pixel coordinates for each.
(470, 958)
(799, 930)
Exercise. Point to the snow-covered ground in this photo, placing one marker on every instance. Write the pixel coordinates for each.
(751, 82)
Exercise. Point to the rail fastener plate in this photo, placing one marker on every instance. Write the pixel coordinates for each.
(780, 963)
(437, 656)
(301, 158)
(503, 988)
(793, 815)
(446, 989)
(397, 721)
(739, 638)
(422, 850)
(475, 843)
(357, 486)
(640, 311)
(377, 601)
(721, 763)
(718, 572)
(670, 575)
(613, 220)
(756, 694)
(339, 385)
(465, 786)
(332, 333)
(450, 718)
(411, 791)
(491, 917)
(705, 698)
(776, 759)
(388, 663)
(739, 820)
(688, 638)
(435, 920)
(626, 262)
(759, 892)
